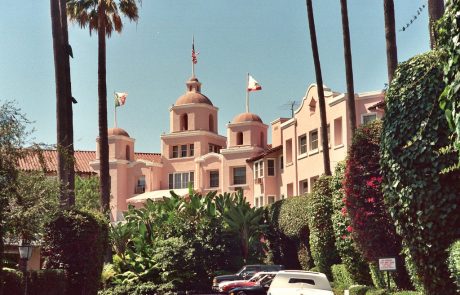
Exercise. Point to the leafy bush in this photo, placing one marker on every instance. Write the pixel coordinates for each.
(377, 292)
(424, 203)
(379, 279)
(322, 241)
(76, 241)
(454, 263)
(288, 234)
(47, 282)
(351, 257)
(341, 276)
(358, 290)
(372, 227)
(13, 281)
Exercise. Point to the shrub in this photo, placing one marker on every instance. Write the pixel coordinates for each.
(377, 292)
(371, 226)
(288, 234)
(13, 282)
(76, 241)
(353, 260)
(424, 202)
(454, 263)
(322, 241)
(358, 290)
(341, 276)
(47, 282)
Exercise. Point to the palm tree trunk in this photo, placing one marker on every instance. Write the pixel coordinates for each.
(435, 12)
(348, 68)
(390, 36)
(61, 106)
(102, 92)
(319, 83)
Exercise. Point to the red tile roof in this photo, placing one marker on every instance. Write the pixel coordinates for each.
(46, 160)
(265, 153)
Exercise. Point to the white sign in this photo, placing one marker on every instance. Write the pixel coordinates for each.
(387, 264)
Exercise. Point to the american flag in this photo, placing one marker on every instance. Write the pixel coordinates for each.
(194, 54)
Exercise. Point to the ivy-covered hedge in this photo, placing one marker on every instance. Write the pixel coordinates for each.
(13, 281)
(454, 263)
(288, 235)
(322, 241)
(351, 258)
(372, 227)
(76, 242)
(341, 277)
(424, 203)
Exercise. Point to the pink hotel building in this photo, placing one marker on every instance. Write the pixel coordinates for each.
(193, 151)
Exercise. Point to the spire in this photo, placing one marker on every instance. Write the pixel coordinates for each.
(193, 85)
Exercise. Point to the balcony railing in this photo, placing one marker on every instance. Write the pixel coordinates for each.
(139, 189)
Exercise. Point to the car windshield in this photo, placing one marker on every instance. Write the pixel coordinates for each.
(256, 277)
(265, 280)
(240, 272)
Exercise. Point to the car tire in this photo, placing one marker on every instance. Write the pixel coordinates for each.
(241, 293)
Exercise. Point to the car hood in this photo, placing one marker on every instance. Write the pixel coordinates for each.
(226, 278)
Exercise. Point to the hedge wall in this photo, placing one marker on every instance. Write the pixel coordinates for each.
(351, 258)
(322, 241)
(424, 203)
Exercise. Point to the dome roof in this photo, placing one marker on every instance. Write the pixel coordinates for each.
(192, 97)
(247, 117)
(117, 131)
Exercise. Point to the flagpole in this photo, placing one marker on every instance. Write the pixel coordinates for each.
(115, 110)
(193, 64)
(247, 95)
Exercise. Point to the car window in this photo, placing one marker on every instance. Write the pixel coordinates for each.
(301, 281)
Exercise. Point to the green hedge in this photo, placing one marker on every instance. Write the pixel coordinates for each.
(13, 281)
(47, 282)
(358, 290)
(423, 200)
(322, 240)
(76, 241)
(454, 263)
(341, 276)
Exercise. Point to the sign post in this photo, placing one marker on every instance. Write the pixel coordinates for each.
(387, 264)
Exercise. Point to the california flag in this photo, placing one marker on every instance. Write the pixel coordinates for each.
(253, 85)
(120, 98)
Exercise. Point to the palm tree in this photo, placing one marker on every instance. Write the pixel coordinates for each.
(348, 67)
(319, 83)
(102, 16)
(61, 49)
(390, 36)
(435, 12)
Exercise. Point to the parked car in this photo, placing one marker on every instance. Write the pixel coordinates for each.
(297, 282)
(257, 279)
(244, 273)
(257, 289)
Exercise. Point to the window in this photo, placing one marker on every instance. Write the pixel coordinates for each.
(281, 163)
(239, 175)
(271, 200)
(338, 131)
(289, 151)
(314, 140)
(261, 168)
(175, 151)
(301, 281)
(302, 144)
(304, 186)
(140, 187)
(214, 148)
(261, 202)
(239, 138)
(214, 178)
(211, 123)
(271, 167)
(128, 153)
(181, 180)
(367, 118)
(184, 122)
(256, 170)
(191, 150)
(257, 202)
(183, 151)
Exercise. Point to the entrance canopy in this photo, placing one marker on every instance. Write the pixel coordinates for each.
(156, 195)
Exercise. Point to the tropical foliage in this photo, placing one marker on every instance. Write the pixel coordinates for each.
(423, 202)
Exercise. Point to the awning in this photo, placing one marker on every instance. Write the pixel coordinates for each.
(156, 195)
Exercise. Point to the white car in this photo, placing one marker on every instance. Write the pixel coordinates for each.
(298, 282)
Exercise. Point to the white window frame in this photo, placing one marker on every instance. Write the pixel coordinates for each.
(304, 146)
(368, 115)
(310, 140)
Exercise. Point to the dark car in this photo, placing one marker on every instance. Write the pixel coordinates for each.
(259, 289)
(244, 273)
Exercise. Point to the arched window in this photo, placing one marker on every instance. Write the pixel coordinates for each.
(211, 123)
(239, 138)
(262, 139)
(184, 122)
(128, 153)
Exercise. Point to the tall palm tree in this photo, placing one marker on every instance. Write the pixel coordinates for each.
(64, 115)
(103, 17)
(390, 36)
(319, 83)
(348, 67)
(435, 12)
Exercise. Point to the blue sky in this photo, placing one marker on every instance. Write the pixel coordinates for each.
(151, 59)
